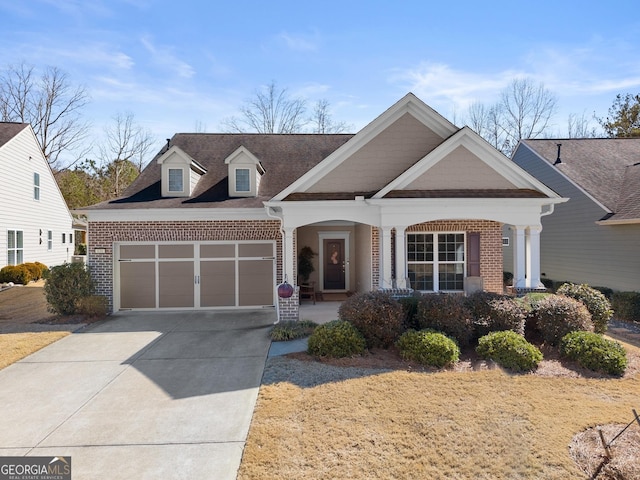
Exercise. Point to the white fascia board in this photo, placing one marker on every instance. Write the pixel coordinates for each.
(408, 104)
(516, 211)
(297, 214)
(467, 138)
(179, 152)
(629, 221)
(176, 214)
(563, 175)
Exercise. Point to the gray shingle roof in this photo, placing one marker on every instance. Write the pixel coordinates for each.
(607, 168)
(285, 158)
(8, 130)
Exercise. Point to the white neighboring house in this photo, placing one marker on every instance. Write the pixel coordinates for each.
(35, 223)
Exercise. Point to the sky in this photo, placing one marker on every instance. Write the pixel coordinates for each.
(185, 66)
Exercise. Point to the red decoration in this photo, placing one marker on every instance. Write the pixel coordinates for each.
(285, 290)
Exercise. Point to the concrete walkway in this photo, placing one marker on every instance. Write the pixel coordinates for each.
(142, 395)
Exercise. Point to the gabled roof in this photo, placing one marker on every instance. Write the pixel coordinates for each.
(8, 130)
(605, 168)
(285, 157)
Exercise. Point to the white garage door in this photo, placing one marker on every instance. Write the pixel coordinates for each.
(194, 275)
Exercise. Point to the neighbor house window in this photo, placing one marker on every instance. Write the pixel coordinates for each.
(243, 181)
(36, 186)
(435, 261)
(15, 249)
(49, 240)
(176, 182)
(64, 238)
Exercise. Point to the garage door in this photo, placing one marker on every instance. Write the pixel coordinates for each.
(194, 275)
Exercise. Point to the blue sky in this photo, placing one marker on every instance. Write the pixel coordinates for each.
(182, 65)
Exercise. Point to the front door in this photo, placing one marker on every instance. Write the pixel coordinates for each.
(334, 266)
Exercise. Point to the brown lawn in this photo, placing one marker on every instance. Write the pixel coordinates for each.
(319, 421)
(16, 346)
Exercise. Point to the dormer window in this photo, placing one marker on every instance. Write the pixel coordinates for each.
(180, 173)
(243, 180)
(176, 180)
(245, 171)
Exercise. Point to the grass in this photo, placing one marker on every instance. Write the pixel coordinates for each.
(16, 346)
(354, 423)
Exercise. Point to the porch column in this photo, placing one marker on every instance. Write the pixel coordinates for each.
(519, 280)
(289, 256)
(401, 261)
(385, 258)
(533, 256)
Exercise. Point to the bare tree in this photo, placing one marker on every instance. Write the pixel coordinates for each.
(322, 121)
(50, 104)
(126, 146)
(524, 110)
(272, 110)
(580, 127)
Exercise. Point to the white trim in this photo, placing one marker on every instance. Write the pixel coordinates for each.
(467, 138)
(408, 104)
(436, 261)
(334, 235)
(175, 214)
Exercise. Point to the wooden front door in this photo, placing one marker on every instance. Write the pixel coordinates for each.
(334, 266)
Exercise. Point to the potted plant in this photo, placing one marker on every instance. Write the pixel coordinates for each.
(305, 263)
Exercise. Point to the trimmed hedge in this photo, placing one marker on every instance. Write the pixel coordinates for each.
(509, 350)
(626, 305)
(66, 285)
(428, 348)
(595, 301)
(23, 273)
(557, 315)
(377, 315)
(495, 312)
(337, 339)
(446, 313)
(290, 330)
(594, 352)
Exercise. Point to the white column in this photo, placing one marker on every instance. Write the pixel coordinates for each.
(519, 280)
(401, 260)
(385, 258)
(289, 256)
(533, 257)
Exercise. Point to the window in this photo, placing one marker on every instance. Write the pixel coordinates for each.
(243, 180)
(49, 240)
(176, 183)
(435, 261)
(15, 249)
(36, 186)
(64, 238)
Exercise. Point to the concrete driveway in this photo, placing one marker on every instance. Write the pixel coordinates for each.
(142, 395)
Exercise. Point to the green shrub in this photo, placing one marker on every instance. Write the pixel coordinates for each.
(95, 306)
(557, 315)
(19, 274)
(448, 314)
(494, 312)
(66, 285)
(509, 350)
(290, 330)
(627, 305)
(597, 304)
(410, 309)
(376, 315)
(428, 348)
(594, 352)
(507, 279)
(606, 291)
(338, 338)
(81, 249)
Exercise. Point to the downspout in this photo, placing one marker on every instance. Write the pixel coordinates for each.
(281, 220)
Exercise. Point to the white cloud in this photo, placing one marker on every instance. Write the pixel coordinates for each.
(300, 42)
(165, 58)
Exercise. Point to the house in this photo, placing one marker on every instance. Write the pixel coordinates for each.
(594, 238)
(217, 220)
(35, 223)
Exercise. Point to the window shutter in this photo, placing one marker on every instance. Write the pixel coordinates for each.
(473, 256)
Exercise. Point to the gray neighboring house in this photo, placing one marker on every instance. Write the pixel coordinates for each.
(593, 238)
